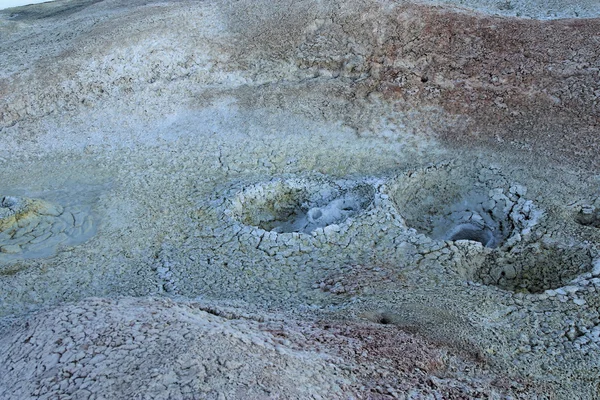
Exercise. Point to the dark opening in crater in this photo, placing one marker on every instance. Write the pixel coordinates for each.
(9, 202)
(474, 233)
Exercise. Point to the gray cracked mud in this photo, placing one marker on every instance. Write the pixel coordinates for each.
(536, 267)
(209, 355)
(33, 228)
(290, 91)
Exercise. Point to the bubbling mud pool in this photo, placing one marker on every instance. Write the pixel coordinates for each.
(300, 205)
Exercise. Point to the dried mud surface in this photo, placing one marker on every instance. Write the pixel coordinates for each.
(346, 199)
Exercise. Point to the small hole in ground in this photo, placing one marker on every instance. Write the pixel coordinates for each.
(588, 216)
(315, 214)
(384, 320)
(473, 233)
(424, 79)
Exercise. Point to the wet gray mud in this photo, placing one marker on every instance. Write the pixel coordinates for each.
(35, 228)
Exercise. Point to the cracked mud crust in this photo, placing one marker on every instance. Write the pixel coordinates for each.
(301, 199)
(32, 228)
(120, 348)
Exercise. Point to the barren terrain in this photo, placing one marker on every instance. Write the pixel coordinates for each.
(353, 199)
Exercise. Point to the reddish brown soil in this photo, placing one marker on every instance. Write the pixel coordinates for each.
(522, 83)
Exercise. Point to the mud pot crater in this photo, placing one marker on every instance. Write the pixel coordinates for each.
(301, 205)
(493, 224)
(447, 203)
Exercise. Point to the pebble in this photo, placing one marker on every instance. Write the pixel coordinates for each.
(596, 267)
(571, 289)
(579, 302)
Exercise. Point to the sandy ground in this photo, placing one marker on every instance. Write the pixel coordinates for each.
(349, 199)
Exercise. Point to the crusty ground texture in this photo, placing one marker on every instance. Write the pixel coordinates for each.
(362, 199)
